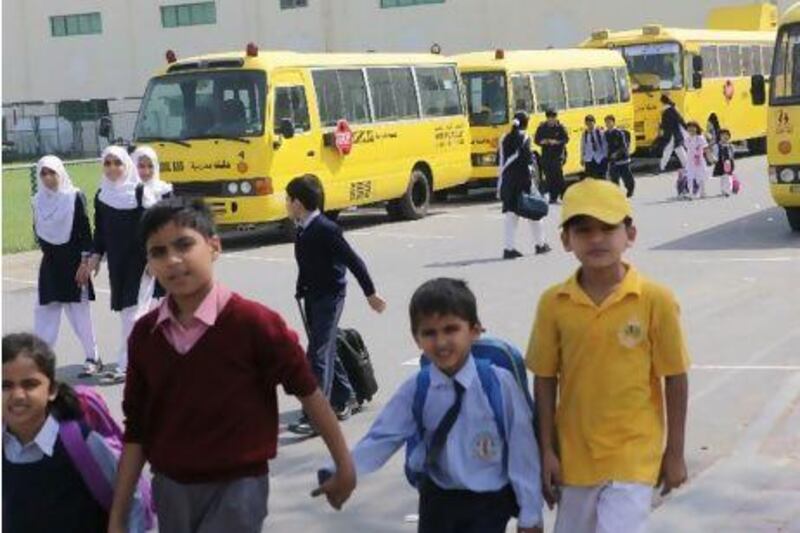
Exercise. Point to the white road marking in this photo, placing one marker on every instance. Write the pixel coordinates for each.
(392, 235)
(745, 367)
(35, 284)
(780, 259)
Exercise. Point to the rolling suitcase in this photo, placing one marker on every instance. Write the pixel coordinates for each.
(353, 353)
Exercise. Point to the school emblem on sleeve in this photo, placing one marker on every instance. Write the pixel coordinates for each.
(486, 446)
(631, 333)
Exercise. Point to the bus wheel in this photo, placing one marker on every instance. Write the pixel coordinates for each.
(414, 203)
(793, 214)
(757, 145)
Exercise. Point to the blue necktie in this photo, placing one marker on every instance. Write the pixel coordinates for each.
(440, 435)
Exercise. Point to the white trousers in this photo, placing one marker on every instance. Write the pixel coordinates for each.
(47, 322)
(680, 151)
(726, 184)
(610, 508)
(127, 321)
(697, 179)
(510, 230)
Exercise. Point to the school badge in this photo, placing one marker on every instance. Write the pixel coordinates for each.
(486, 446)
(631, 333)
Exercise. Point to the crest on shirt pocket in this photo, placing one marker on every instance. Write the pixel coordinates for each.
(631, 333)
(486, 446)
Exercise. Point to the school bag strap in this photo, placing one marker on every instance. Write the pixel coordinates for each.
(81, 456)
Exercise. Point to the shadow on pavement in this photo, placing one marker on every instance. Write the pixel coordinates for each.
(764, 230)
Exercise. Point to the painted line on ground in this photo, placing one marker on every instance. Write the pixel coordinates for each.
(36, 284)
(391, 235)
(781, 259)
(745, 367)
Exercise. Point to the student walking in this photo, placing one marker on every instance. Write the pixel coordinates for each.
(200, 402)
(600, 403)
(473, 475)
(673, 129)
(552, 137)
(726, 162)
(594, 150)
(698, 153)
(516, 178)
(61, 227)
(619, 155)
(323, 258)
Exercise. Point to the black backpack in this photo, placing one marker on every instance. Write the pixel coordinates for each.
(353, 354)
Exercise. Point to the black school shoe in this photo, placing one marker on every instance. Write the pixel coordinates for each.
(543, 249)
(302, 426)
(511, 254)
(350, 408)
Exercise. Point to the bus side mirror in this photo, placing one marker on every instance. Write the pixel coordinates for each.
(758, 89)
(697, 72)
(286, 128)
(697, 80)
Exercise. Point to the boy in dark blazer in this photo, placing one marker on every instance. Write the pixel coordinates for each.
(323, 258)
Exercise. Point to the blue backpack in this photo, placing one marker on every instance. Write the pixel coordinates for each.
(487, 351)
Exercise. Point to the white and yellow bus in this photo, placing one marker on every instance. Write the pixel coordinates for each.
(707, 73)
(234, 128)
(783, 117)
(575, 83)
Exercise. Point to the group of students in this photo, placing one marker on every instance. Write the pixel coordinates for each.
(475, 453)
(72, 253)
(606, 152)
(697, 156)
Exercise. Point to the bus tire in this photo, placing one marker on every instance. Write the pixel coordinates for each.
(757, 145)
(414, 203)
(793, 215)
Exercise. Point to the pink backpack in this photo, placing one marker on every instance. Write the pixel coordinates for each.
(736, 185)
(98, 418)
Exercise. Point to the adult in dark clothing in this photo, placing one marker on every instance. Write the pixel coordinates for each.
(61, 227)
(619, 156)
(323, 258)
(672, 133)
(552, 137)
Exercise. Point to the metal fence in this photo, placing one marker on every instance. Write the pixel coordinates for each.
(33, 130)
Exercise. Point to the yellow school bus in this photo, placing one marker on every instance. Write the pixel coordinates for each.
(575, 83)
(234, 128)
(706, 72)
(783, 117)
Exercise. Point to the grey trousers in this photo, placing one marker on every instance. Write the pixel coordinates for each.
(236, 506)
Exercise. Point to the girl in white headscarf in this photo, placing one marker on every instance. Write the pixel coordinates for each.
(61, 225)
(155, 190)
(118, 208)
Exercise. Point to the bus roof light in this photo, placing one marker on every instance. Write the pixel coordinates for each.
(600, 35)
(499, 54)
(651, 29)
(252, 50)
(171, 57)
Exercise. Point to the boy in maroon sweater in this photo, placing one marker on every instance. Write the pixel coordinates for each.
(200, 400)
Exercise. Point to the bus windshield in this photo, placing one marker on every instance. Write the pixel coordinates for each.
(487, 97)
(203, 105)
(785, 85)
(654, 66)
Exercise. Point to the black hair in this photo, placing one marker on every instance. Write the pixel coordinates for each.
(66, 405)
(443, 296)
(611, 118)
(551, 113)
(695, 125)
(184, 212)
(306, 189)
(522, 118)
(628, 221)
(666, 100)
(589, 118)
(724, 131)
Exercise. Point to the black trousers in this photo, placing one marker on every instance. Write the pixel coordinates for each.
(464, 511)
(623, 171)
(593, 169)
(554, 175)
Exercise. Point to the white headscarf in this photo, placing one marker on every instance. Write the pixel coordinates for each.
(120, 194)
(53, 211)
(154, 188)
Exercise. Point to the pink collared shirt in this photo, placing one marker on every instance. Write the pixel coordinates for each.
(181, 337)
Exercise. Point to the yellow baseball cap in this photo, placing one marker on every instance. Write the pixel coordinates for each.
(598, 199)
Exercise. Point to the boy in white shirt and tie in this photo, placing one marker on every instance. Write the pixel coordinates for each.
(594, 150)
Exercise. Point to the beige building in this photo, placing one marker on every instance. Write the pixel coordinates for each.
(57, 50)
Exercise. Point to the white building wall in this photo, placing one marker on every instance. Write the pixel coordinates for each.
(118, 62)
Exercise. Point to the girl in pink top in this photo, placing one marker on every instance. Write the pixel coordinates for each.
(697, 166)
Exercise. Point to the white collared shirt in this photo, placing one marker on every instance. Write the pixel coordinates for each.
(43, 445)
(597, 152)
(472, 458)
(309, 219)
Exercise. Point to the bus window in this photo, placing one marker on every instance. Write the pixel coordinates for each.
(486, 98)
(354, 96)
(405, 92)
(438, 91)
(654, 66)
(605, 91)
(725, 67)
(329, 96)
(710, 61)
(747, 61)
(341, 94)
(579, 88)
(393, 94)
(766, 54)
(735, 62)
(622, 84)
(549, 91)
(758, 67)
(521, 93)
(291, 104)
(785, 85)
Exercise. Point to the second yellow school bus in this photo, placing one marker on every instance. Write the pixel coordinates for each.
(706, 72)
(572, 82)
(234, 128)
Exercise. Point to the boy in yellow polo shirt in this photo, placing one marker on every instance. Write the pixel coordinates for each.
(610, 343)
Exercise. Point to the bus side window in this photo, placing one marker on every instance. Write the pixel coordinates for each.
(329, 97)
(550, 91)
(623, 84)
(605, 92)
(710, 61)
(579, 90)
(758, 65)
(767, 59)
(291, 104)
(521, 93)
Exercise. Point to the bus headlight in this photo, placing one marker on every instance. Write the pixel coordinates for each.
(233, 188)
(246, 187)
(786, 175)
(773, 175)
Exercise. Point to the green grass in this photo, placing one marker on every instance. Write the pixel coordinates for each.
(17, 216)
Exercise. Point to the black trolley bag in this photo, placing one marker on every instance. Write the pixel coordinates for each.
(353, 353)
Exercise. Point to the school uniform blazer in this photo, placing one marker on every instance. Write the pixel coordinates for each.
(672, 124)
